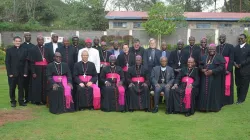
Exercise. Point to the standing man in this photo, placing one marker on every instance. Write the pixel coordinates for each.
(178, 58)
(151, 56)
(227, 51)
(212, 67)
(193, 51)
(15, 64)
(135, 50)
(67, 53)
(116, 49)
(162, 78)
(242, 68)
(38, 57)
(96, 43)
(52, 46)
(93, 54)
(164, 51)
(28, 45)
(76, 45)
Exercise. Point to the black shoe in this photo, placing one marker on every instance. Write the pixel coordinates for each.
(187, 114)
(26, 101)
(155, 110)
(131, 110)
(13, 104)
(147, 110)
(239, 102)
(22, 104)
(91, 108)
(123, 111)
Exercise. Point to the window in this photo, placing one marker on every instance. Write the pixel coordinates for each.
(245, 25)
(203, 25)
(137, 24)
(225, 25)
(120, 24)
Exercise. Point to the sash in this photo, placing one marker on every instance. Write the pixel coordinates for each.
(67, 89)
(227, 79)
(41, 63)
(138, 79)
(125, 68)
(96, 92)
(188, 91)
(120, 88)
(105, 63)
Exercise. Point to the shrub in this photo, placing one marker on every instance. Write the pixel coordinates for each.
(2, 57)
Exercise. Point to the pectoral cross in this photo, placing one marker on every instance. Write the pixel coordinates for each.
(127, 64)
(112, 77)
(179, 63)
(187, 79)
(84, 75)
(60, 78)
(162, 80)
(138, 82)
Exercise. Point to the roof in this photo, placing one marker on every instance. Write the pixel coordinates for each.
(190, 16)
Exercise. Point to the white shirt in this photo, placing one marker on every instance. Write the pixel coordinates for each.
(93, 57)
(55, 46)
(242, 45)
(163, 68)
(116, 53)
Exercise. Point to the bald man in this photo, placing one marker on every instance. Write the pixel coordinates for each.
(68, 53)
(193, 50)
(185, 89)
(164, 51)
(85, 76)
(38, 57)
(60, 86)
(138, 90)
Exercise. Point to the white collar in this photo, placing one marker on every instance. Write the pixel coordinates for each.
(242, 45)
(163, 68)
(57, 63)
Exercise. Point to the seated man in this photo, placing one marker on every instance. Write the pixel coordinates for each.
(162, 78)
(182, 95)
(59, 76)
(113, 93)
(138, 91)
(85, 75)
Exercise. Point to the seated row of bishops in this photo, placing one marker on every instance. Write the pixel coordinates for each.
(161, 71)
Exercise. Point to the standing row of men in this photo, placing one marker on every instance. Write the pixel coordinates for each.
(130, 73)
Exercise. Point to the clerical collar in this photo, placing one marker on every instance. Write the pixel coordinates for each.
(17, 47)
(163, 68)
(84, 62)
(40, 46)
(27, 42)
(242, 45)
(57, 62)
(138, 66)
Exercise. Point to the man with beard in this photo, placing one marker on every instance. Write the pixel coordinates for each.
(178, 58)
(164, 51)
(93, 54)
(113, 93)
(227, 51)
(88, 94)
(242, 68)
(116, 49)
(77, 46)
(151, 56)
(162, 78)
(15, 61)
(192, 50)
(134, 51)
(138, 90)
(60, 86)
(68, 53)
(52, 46)
(38, 57)
(185, 89)
(28, 45)
(212, 67)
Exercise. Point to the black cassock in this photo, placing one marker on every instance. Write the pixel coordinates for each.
(209, 98)
(104, 59)
(77, 48)
(138, 95)
(125, 61)
(133, 53)
(68, 56)
(177, 102)
(84, 95)
(57, 99)
(227, 50)
(178, 59)
(39, 84)
(194, 52)
(110, 94)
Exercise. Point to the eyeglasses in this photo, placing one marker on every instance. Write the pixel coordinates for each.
(58, 56)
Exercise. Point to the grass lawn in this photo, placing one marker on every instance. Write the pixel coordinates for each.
(231, 123)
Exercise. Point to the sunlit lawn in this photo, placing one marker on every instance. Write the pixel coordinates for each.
(231, 123)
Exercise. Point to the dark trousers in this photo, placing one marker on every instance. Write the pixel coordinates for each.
(13, 82)
(157, 92)
(26, 86)
(242, 83)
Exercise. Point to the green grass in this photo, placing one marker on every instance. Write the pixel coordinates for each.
(231, 123)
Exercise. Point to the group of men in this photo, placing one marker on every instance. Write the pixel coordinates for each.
(69, 77)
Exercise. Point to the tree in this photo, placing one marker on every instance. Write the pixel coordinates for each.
(234, 6)
(192, 5)
(163, 20)
(134, 5)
